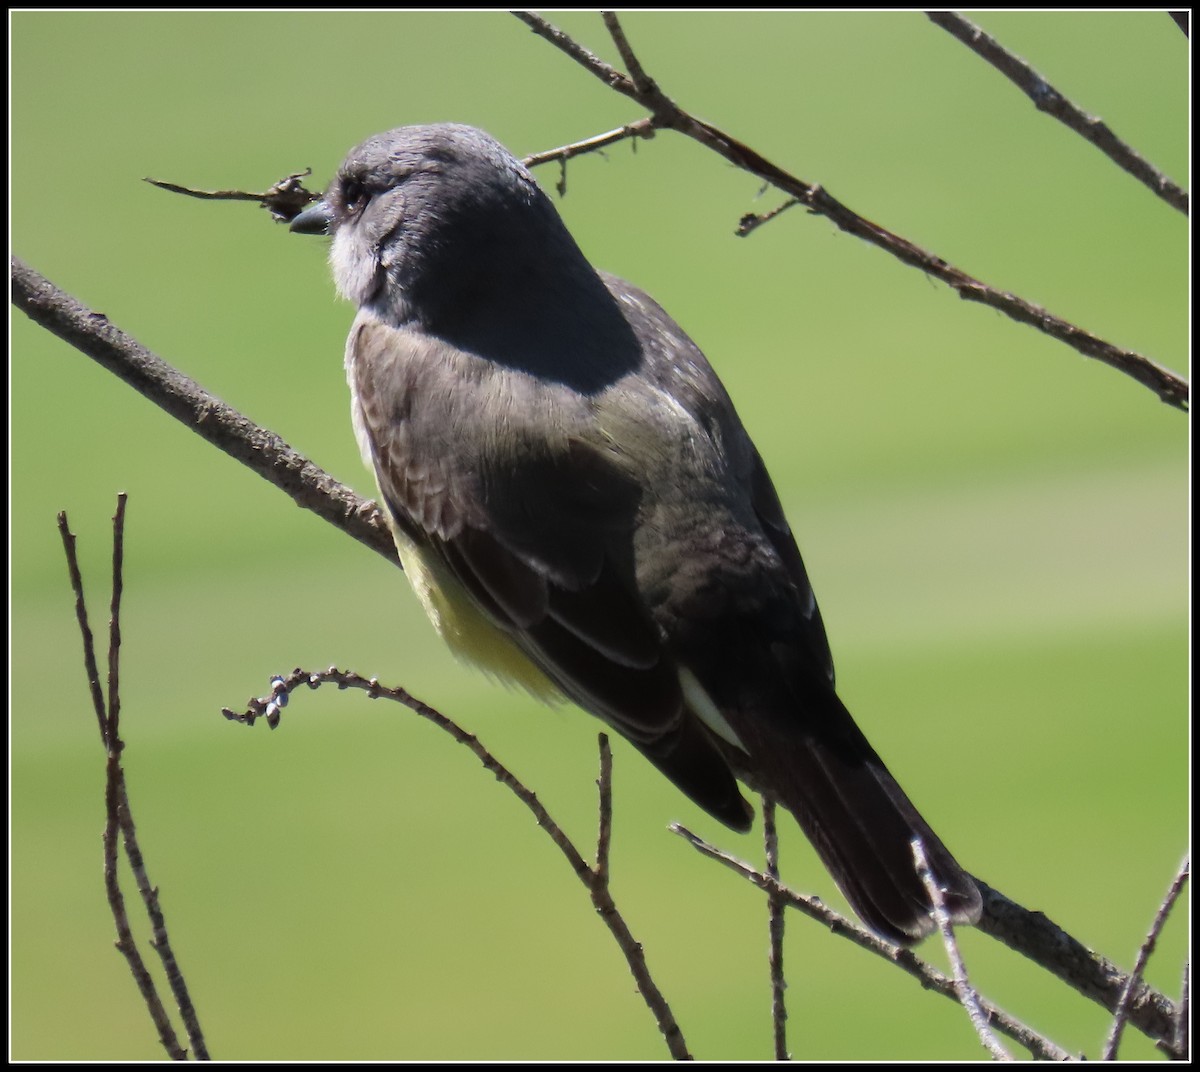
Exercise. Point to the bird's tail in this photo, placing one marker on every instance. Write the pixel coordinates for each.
(857, 817)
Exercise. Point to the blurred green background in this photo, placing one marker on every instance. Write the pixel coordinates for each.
(997, 529)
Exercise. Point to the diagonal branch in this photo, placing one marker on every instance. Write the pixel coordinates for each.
(905, 959)
(643, 128)
(667, 115)
(595, 879)
(1049, 100)
(257, 448)
(1036, 936)
(1160, 918)
(1029, 933)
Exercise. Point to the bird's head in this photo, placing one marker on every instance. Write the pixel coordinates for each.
(425, 216)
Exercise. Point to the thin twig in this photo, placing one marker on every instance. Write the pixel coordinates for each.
(752, 221)
(967, 995)
(604, 833)
(607, 74)
(1121, 1014)
(114, 804)
(85, 629)
(775, 925)
(113, 722)
(204, 195)
(159, 936)
(927, 975)
(643, 128)
(643, 84)
(126, 944)
(285, 200)
(269, 707)
(666, 114)
(1049, 100)
(1183, 1020)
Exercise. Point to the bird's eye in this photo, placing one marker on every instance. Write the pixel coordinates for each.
(354, 195)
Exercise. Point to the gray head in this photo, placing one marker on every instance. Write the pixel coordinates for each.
(442, 229)
(399, 198)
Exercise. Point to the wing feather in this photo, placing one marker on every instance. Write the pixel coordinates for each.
(537, 528)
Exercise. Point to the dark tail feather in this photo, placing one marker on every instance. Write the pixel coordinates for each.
(857, 817)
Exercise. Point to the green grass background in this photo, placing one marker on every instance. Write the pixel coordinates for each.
(997, 529)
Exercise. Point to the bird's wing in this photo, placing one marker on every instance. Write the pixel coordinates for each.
(744, 621)
(774, 524)
(536, 525)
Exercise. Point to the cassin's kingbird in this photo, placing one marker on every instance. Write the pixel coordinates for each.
(579, 508)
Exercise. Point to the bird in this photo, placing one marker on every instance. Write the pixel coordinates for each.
(580, 510)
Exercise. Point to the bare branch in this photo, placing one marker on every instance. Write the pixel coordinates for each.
(927, 975)
(1183, 1021)
(113, 723)
(643, 84)
(160, 938)
(284, 201)
(1034, 935)
(607, 74)
(1121, 1014)
(595, 879)
(750, 222)
(1049, 100)
(116, 802)
(604, 833)
(126, 944)
(665, 114)
(967, 995)
(257, 448)
(643, 128)
(775, 925)
(85, 629)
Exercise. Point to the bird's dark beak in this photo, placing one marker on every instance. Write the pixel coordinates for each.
(313, 220)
